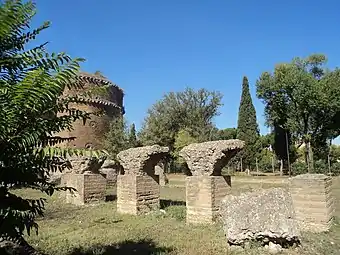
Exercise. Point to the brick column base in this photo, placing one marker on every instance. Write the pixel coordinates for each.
(90, 188)
(137, 194)
(203, 197)
(313, 201)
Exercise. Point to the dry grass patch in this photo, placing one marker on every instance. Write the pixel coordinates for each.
(68, 229)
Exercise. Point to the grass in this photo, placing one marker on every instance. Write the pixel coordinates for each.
(71, 230)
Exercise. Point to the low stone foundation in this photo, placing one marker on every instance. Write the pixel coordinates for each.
(203, 197)
(313, 201)
(90, 188)
(137, 194)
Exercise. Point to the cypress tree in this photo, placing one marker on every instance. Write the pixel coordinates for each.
(132, 136)
(247, 127)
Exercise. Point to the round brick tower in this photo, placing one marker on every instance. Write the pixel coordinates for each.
(91, 134)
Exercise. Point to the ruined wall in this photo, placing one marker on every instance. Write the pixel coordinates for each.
(204, 195)
(90, 188)
(92, 133)
(137, 194)
(313, 201)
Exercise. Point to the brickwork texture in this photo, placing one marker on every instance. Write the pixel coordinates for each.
(137, 194)
(90, 188)
(313, 201)
(203, 197)
(91, 134)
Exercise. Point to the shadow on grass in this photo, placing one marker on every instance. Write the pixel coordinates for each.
(146, 246)
(168, 202)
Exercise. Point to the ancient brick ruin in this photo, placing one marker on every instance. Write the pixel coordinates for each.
(138, 190)
(92, 133)
(83, 170)
(206, 188)
(313, 201)
(90, 188)
(88, 177)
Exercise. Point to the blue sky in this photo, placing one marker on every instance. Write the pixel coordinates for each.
(152, 47)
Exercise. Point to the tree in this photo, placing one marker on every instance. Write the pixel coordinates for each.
(32, 82)
(226, 134)
(133, 142)
(183, 138)
(302, 100)
(191, 110)
(247, 127)
(117, 138)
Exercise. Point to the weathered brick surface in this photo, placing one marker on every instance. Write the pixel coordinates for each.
(137, 194)
(92, 133)
(313, 201)
(203, 197)
(90, 188)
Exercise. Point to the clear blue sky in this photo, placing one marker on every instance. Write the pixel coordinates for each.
(152, 47)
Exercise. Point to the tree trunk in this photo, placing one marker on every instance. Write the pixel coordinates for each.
(281, 167)
(309, 156)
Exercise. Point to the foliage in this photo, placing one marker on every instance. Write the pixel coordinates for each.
(189, 109)
(302, 99)
(247, 127)
(117, 138)
(183, 138)
(32, 82)
(266, 159)
(133, 141)
(335, 153)
(225, 134)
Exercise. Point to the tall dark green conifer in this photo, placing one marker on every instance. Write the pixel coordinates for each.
(247, 127)
(132, 136)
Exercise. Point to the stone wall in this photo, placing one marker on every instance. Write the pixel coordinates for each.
(163, 179)
(203, 197)
(137, 194)
(90, 188)
(206, 188)
(313, 201)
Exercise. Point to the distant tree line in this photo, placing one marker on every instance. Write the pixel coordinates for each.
(302, 109)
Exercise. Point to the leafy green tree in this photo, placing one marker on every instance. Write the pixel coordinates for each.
(117, 138)
(191, 110)
(226, 134)
(32, 82)
(266, 160)
(133, 141)
(247, 127)
(335, 153)
(302, 99)
(183, 138)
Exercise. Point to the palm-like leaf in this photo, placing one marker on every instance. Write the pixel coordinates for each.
(31, 85)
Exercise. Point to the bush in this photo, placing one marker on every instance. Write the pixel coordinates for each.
(299, 168)
(320, 167)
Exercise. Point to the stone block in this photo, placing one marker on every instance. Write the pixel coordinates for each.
(313, 201)
(261, 215)
(137, 194)
(203, 197)
(90, 188)
(163, 179)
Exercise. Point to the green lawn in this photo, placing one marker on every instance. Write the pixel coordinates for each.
(68, 229)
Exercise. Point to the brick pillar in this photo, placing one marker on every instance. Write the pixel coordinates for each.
(203, 197)
(137, 194)
(313, 201)
(90, 188)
